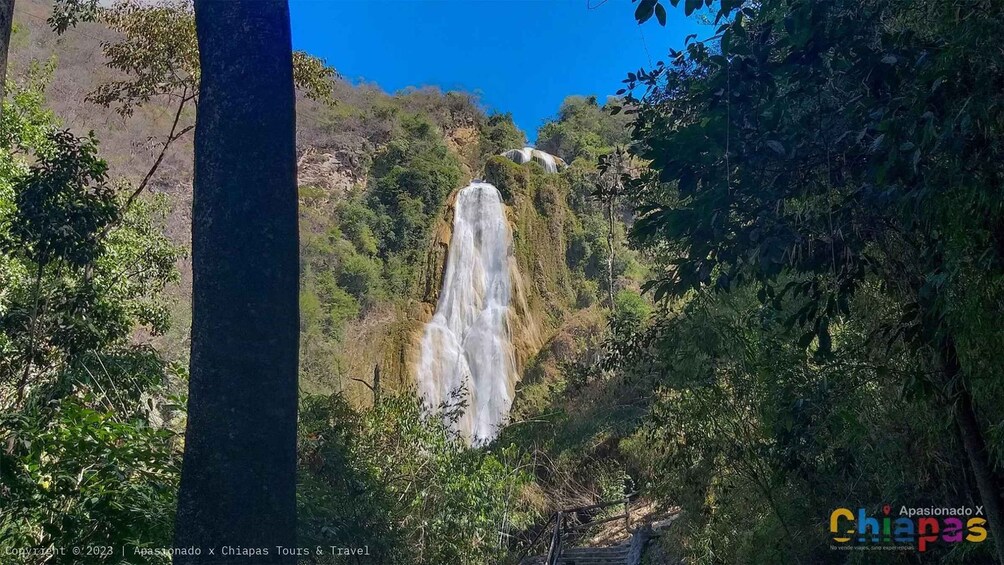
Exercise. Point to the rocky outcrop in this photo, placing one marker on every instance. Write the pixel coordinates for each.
(465, 140)
(542, 294)
(337, 173)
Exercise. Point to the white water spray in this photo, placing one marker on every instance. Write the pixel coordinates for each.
(467, 344)
(527, 154)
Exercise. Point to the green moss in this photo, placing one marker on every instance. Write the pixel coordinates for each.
(507, 176)
(542, 220)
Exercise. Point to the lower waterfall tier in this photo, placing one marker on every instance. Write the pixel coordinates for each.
(466, 351)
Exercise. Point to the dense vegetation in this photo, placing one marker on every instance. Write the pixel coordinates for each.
(823, 200)
(768, 284)
(82, 461)
(364, 249)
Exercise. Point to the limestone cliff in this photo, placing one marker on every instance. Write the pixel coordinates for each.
(543, 296)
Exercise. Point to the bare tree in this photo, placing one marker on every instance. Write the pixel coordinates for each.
(614, 169)
(6, 25)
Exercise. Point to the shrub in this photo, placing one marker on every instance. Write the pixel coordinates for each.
(396, 478)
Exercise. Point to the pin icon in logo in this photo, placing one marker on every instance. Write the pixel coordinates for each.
(886, 509)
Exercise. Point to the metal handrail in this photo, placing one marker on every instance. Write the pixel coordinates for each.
(587, 525)
(554, 550)
(626, 498)
(536, 538)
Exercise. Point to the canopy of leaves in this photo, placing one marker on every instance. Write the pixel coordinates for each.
(159, 56)
(68, 13)
(824, 202)
(62, 205)
(81, 461)
(834, 141)
(583, 128)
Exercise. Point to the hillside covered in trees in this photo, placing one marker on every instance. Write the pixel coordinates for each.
(761, 284)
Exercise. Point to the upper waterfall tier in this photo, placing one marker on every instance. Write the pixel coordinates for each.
(466, 346)
(527, 154)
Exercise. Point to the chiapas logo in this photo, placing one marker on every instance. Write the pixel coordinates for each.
(917, 528)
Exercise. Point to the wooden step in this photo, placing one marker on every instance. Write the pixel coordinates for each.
(614, 555)
(612, 550)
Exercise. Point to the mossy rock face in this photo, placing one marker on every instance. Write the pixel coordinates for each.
(431, 277)
(536, 203)
(402, 338)
(506, 176)
(539, 213)
(404, 344)
(537, 210)
(580, 333)
(382, 339)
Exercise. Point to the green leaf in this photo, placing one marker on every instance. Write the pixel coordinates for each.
(645, 10)
(660, 14)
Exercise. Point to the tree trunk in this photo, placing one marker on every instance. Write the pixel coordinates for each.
(6, 25)
(977, 453)
(238, 483)
(976, 450)
(32, 330)
(610, 251)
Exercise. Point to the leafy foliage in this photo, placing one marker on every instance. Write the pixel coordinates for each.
(159, 53)
(77, 476)
(413, 175)
(81, 462)
(395, 478)
(68, 13)
(62, 205)
(500, 134)
(583, 128)
(821, 198)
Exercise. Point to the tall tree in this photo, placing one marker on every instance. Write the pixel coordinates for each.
(156, 53)
(239, 470)
(613, 169)
(6, 25)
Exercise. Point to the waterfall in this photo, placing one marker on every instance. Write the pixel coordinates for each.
(527, 154)
(467, 344)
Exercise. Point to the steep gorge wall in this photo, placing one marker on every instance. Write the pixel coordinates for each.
(337, 145)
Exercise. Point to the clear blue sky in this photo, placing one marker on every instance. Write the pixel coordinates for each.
(519, 56)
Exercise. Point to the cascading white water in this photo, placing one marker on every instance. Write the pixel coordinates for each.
(527, 154)
(467, 346)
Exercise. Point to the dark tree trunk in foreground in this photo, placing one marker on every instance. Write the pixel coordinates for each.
(979, 459)
(6, 25)
(975, 446)
(238, 479)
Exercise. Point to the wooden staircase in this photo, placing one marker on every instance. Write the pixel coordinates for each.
(566, 530)
(613, 555)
